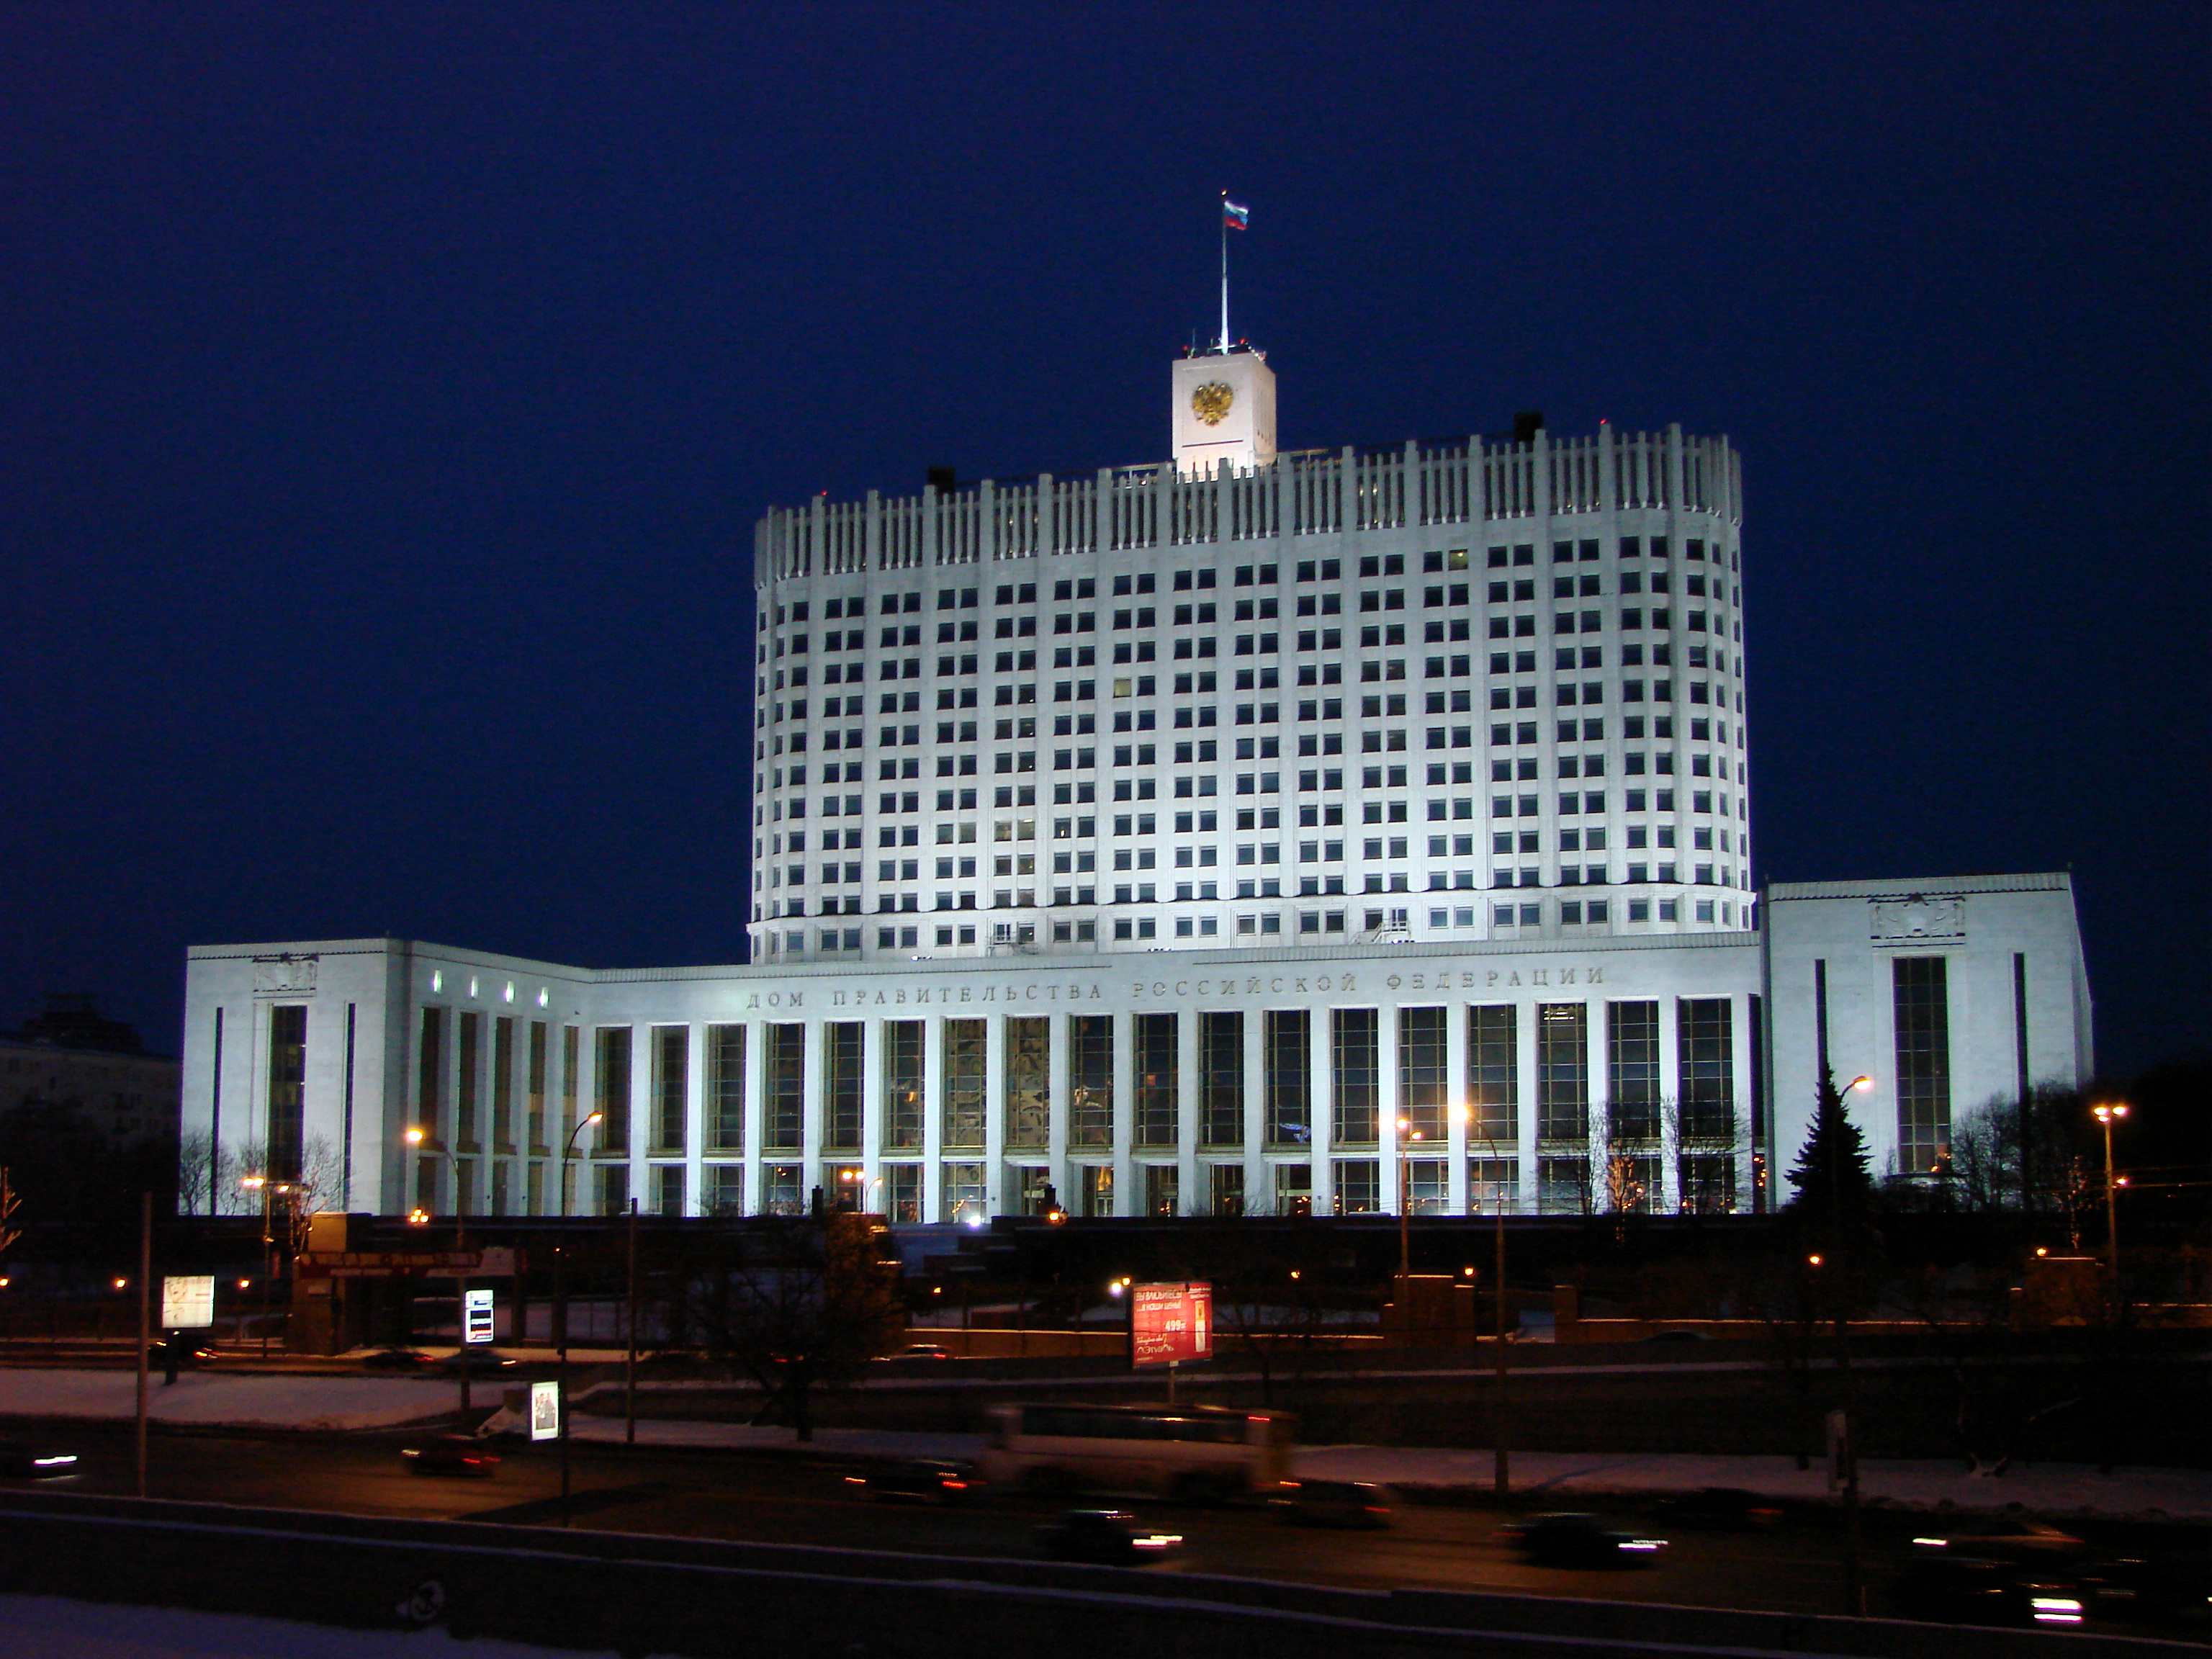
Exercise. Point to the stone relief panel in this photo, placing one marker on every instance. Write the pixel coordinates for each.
(1915, 917)
(290, 976)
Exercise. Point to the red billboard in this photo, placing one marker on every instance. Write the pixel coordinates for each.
(1171, 1324)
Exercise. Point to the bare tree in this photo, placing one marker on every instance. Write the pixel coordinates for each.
(322, 1174)
(795, 1303)
(198, 1156)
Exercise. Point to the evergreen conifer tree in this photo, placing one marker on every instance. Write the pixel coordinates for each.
(1833, 1179)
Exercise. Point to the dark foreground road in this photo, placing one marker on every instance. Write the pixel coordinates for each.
(1796, 1568)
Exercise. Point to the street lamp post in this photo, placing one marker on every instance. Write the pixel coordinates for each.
(1407, 1135)
(560, 1314)
(269, 1189)
(2107, 1115)
(423, 1141)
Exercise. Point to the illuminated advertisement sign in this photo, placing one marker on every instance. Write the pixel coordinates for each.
(1171, 1324)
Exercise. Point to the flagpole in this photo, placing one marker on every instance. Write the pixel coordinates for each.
(1224, 347)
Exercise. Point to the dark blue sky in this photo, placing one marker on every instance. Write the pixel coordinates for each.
(388, 394)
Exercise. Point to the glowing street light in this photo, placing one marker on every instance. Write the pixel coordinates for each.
(2107, 1115)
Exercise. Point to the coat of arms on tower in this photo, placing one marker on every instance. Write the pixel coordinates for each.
(1210, 403)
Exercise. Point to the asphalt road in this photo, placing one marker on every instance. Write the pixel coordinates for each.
(1796, 1568)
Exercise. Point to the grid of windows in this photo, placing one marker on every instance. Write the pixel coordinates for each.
(1286, 1053)
(965, 1102)
(783, 1089)
(1356, 1092)
(725, 1089)
(1920, 1000)
(1633, 1070)
(1422, 1073)
(1091, 1081)
(1028, 1114)
(1562, 1070)
(842, 1086)
(1221, 1079)
(1492, 1081)
(1708, 1068)
(1158, 1080)
(904, 1106)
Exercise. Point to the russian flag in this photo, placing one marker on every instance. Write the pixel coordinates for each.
(1234, 217)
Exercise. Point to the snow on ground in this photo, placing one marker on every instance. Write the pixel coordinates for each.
(48, 1627)
(213, 1399)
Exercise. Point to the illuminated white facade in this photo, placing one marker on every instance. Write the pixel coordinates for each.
(1489, 692)
(1247, 833)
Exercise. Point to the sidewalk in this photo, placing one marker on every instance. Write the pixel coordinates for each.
(212, 1399)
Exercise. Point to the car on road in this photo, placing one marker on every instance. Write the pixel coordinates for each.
(1106, 1538)
(1722, 1508)
(21, 1461)
(398, 1359)
(479, 1362)
(1965, 1590)
(189, 1353)
(452, 1453)
(1568, 1540)
(1333, 1503)
(923, 1480)
(1998, 1538)
(925, 1352)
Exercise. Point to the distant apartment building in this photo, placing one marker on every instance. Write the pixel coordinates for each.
(71, 1059)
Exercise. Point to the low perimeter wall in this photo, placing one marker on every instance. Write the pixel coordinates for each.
(629, 1594)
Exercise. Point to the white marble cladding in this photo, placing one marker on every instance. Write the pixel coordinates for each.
(2017, 1010)
(1431, 693)
(391, 994)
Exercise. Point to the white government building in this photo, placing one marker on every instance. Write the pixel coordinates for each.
(1251, 832)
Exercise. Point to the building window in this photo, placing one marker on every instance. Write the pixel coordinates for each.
(469, 1046)
(783, 1083)
(1157, 1083)
(902, 1197)
(287, 1091)
(672, 1058)
(725, 1089)
(1221, 1079)
(965, 1099)
(963, 1182)
(1225, 1190)
(668, 1189)
(534, 1092)
(1028, 1081)
(1287, 1054)
(723, 1190)
(1090, 1082)
(1492, 1085)
(612, 1077)
(614, 1189)
(1359, 1186)
(1422, 1078)
(842, 1086)
(1633, 1070)
(903, 1103)
(1563, 1187)
(1358, 1082)
(1492, 1184)
(1920, 1000)
(1562, 1070)
(502, 1092)
(1162, 1189)
(781, 1183)
(1708, 1070)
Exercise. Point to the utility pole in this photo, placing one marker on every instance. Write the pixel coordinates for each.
(145, 1319)
(630, 1359)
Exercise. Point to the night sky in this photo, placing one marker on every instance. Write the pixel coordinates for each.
(388, 394)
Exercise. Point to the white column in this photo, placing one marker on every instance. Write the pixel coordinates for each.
(933, 1101)
(872, 1083)
(809, 1119)
(1125, 1200)
(1524, 1073)
(1670, 1088)
(1060, 1174)
(1456, 1107)
(1598, 1087)
(1190, 1198)
(694, 1115)
(1259, 1194)
(1319, 1032)
(1386, 1069)
(995, 1173)
(755, 1120)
